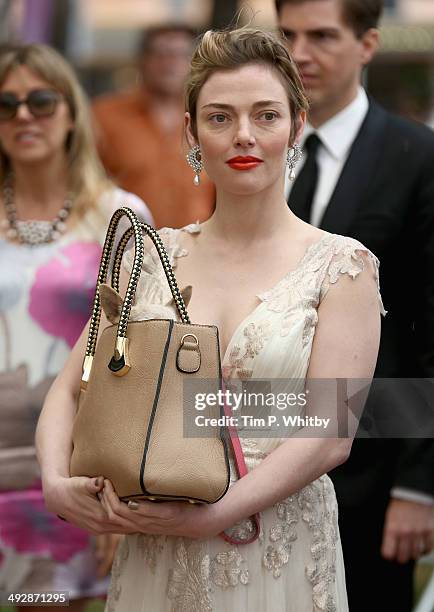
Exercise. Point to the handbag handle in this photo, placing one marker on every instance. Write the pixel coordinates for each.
(119, 363)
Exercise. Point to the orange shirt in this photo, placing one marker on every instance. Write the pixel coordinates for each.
(151, 163)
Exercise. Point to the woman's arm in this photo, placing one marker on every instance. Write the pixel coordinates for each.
(345, 346)
(54, 429)
(75, 499)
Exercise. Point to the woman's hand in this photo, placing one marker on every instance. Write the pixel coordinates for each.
(75, 500)
(168, 518)
(105, 550)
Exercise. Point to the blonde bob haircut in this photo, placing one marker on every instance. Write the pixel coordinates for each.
(229, 49)
(87, 179)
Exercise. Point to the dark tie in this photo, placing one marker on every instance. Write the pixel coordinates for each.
(303, 190)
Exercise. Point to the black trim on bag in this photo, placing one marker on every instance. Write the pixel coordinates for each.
(154, 406)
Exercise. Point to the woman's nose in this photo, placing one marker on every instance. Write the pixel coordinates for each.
(23, 113)
(244, 136)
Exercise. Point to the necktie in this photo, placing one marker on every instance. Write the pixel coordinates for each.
(303, 191)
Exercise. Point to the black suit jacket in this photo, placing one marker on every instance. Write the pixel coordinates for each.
(385, 199)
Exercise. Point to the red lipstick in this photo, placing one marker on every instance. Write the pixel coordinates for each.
(246, 162)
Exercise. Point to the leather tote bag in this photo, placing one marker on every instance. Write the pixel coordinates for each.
(129, 425)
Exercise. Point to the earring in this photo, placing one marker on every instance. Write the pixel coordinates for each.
(293, 156)
(194, 160)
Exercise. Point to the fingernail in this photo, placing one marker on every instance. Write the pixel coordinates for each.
(133, 505)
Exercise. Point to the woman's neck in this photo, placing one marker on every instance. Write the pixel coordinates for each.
(250, 219)
(40, 190)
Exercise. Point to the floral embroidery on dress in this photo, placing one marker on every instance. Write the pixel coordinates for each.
(256, 335)
(227, 570)
(319, 512)
(235, 368)
(115, 588)
(281, 535)
(243, 530)
(150, 546)
(345, 259)
(189, 579)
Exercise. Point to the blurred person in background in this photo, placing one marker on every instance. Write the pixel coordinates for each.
(369, 174)
(55, 202)
(139, 133)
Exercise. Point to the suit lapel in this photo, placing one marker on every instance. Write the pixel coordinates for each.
(356, 174)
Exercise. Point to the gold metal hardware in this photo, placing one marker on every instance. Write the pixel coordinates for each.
(87, 366)
(191, 336)
(121, 351)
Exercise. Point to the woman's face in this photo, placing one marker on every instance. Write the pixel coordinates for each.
(243, 128)
(26, 138)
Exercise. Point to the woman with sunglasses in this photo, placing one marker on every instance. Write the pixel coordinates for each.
(55, 202)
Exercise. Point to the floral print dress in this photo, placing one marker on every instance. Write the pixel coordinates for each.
(296, 565)
(46, 294)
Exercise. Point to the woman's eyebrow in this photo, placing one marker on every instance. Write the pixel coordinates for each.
(260, 103)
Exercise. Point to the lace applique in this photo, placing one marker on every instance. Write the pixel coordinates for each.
(315, 505)
(318, 509)
(150, 546)
(346, 258)
(227, 570)
(251, 450)
(281, 535)
(189, 579)
(170, 237)
(256, 335)
(115, 589)
(235, 368)
(243, 530)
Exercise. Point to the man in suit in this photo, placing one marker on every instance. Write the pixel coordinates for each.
(370, 175)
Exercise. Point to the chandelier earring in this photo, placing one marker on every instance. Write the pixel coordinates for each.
(194, 159)
(293, 156)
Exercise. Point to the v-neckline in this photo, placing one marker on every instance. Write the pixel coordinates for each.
(195, 228)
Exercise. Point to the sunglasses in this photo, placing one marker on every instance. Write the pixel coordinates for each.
(40, 103)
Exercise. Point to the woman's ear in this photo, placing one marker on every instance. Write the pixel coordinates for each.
(300, 122)
(191, 140)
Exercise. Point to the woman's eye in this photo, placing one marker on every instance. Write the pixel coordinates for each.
(218, 118)
(269, 116)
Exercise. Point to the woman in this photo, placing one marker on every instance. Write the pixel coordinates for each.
(293, 303)
(54, 205)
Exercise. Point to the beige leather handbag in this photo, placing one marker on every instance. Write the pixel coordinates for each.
(129, 423)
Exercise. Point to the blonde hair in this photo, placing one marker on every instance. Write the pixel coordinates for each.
(229, 49)
(87, 179)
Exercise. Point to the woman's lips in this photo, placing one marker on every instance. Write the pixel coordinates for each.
(244, 163)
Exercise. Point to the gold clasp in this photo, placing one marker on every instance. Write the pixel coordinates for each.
(87, 366)
(120, 362)
(189, 336)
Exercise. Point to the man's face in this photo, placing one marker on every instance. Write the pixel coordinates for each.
(166, 63)
(328, 53)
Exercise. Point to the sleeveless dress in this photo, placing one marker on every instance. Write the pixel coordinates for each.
(46, 295)
(296, 565)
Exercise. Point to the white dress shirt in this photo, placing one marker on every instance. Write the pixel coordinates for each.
(337, 136)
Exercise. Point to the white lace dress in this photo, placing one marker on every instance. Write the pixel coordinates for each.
(296, 565)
